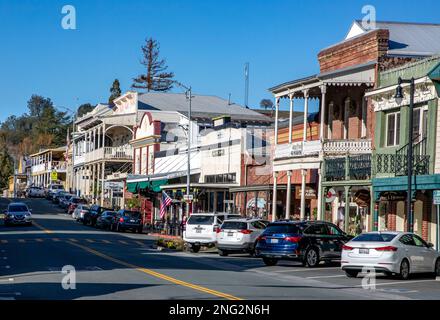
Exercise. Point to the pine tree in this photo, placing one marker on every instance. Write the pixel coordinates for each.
(155, 79)
(115, 91)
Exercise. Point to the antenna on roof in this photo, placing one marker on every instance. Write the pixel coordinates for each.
(246, 84)
(229, 100)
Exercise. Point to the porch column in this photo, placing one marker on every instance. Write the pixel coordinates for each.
(274, 196)
(321, 125)
(303, 194)
(290, 117)
(319, 213)
(93, 182)
(347, 208)
(306, 111)
(289, 193)
(102, 184)
(277, 107)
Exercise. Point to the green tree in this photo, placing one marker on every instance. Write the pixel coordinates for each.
(155, 78)
(6, 162)
(83, 109)
(115, 91)
(266, 104)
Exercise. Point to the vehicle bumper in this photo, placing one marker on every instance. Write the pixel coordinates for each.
(235, 247)
(18, 222)
(276, 254)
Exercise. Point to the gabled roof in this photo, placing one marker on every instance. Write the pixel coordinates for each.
(201, 105)
(406, 38)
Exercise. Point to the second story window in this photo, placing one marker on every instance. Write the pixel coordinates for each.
(393, 129)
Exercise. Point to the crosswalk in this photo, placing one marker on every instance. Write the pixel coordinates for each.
(136, 243)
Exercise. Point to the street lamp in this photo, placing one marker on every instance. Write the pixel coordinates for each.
(399, 97)
(188, 172)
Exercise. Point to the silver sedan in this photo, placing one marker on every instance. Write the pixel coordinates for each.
(17, 214)
(393, 253)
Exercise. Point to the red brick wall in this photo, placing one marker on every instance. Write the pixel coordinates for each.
(365, 48)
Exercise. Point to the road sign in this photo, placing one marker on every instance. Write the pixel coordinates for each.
(436, 196)
(54, 176)
(188, 197)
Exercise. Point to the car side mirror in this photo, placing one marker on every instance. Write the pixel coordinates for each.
(430, 245)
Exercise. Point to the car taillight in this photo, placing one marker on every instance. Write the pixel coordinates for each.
(261, 238)
(121, 219)
(387, 248)
(292, 239)
(246, 231)
(218, 230)
(215, 228)
(348, 248)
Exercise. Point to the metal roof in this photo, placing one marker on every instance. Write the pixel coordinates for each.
(410, 39)
(203, 105)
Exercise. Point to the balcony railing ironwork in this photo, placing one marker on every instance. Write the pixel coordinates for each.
(347, 146)
(357, 167)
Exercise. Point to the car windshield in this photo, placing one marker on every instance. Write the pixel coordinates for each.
(56, 187)
(205, 220)
(131, 214)
(18, 208)
(375, 237)
(283, 228)
(234, 225)
(109, 213)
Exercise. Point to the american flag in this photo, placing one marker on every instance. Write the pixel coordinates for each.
(166, 201)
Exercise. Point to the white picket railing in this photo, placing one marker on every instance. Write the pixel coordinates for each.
(347, 146)
(123, 152)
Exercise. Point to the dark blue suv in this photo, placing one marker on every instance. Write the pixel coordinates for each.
(306, 241)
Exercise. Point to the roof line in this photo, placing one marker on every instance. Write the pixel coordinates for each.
(403, 22)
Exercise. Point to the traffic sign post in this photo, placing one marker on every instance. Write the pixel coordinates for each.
(436, 198)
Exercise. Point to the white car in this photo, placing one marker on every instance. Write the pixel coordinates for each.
(201, 229)
(35, 192)
(80, 211)
(393, 253)
(239, 235)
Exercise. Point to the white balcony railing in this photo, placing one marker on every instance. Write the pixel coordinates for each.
(58, 166)
(347, 146)
(123, 152)
(298, 149)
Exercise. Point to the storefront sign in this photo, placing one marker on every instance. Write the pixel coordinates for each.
(436, 196)
(309, 194)
(392, 196)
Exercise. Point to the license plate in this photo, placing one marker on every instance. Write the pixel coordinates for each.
(199, 231)
(364, 251)
(230, 234)
(273, 240)
(132, 221)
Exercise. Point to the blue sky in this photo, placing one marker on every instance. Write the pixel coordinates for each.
(205, 42)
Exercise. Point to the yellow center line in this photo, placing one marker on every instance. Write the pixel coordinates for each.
(41, 227)
(158, 275)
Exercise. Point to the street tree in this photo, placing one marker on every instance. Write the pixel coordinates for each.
(266, 104)
(83, 109)
(115, 91)
(155, 77)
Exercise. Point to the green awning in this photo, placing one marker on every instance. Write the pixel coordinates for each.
(144, 185)
(155, 185)
(132, 187)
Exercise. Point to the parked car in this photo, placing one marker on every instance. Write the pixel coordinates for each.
(17, 213)
(64, 200)
(393, 253)
(56, 196)
(239, 235)
(74, 202)
(95, 211)
(80, 211)
(126, 219)
(51, 189)
(201, 229)
(35, 192)
(104, 221)
(309, 242)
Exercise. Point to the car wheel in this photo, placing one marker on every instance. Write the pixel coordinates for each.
(222, 253)
(437, 268)
(312, 258)
(270, 261)
(351, 273)
(404, 270)
(195, 248)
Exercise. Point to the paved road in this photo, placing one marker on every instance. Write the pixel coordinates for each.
(125, 266)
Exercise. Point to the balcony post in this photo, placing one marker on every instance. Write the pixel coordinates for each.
(289, 193)
(306, 111)
(277, 106)
(319, 209)
(303, 194)
(274, 196)
(321, 125)
(102, 184)
(347, 208)
(290, 117)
